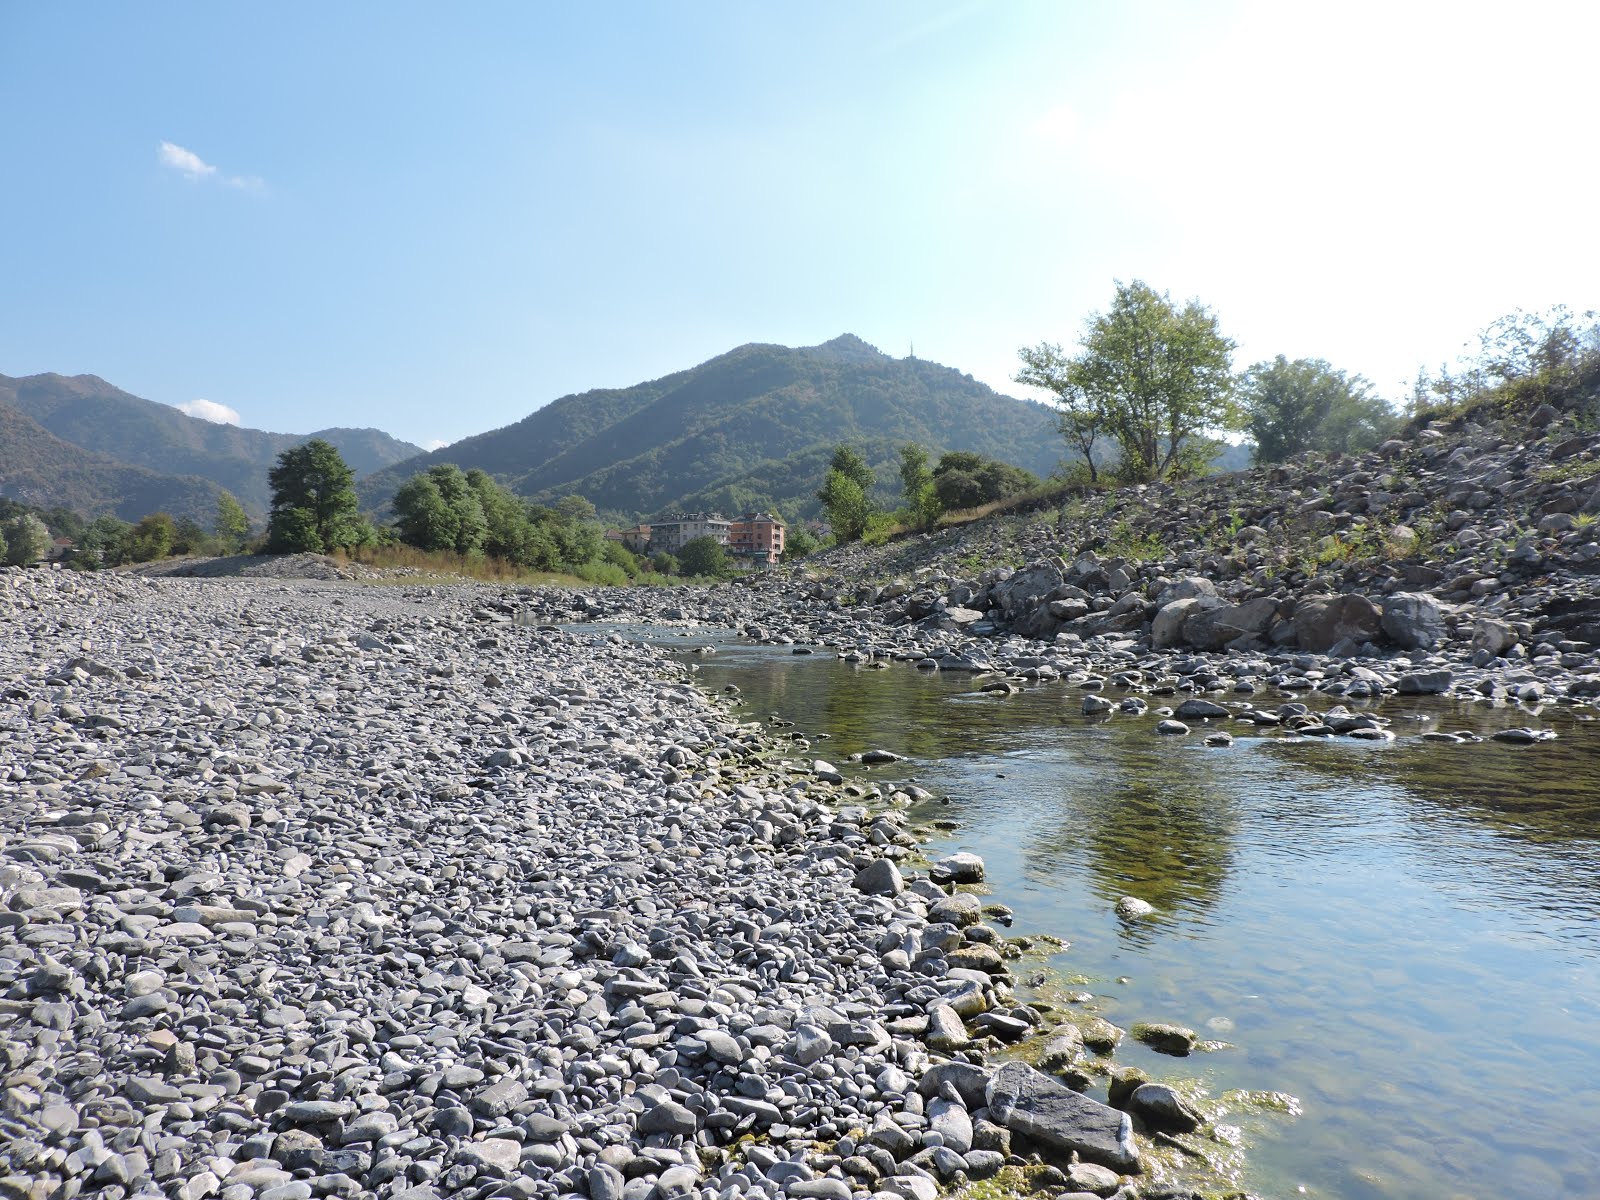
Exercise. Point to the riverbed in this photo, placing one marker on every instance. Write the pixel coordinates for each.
(1402, 935)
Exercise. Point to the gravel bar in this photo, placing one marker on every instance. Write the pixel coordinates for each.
(314, 889)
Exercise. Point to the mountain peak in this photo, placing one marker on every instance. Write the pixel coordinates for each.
(849, 347)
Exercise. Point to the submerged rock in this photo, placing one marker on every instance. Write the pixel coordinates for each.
(1160, 1107)
(1168, 1039)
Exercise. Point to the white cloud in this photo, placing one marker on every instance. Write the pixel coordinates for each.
(435, 444)
(191, 166)
(170, 154)
(210, 410)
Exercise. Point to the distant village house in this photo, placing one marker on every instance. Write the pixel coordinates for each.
(754, 540)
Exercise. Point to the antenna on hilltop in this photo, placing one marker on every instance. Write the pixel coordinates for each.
(913, 353)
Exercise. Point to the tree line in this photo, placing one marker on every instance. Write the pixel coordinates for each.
(960, 481)
(1148, 396)
(27, 535)
(1152, 391)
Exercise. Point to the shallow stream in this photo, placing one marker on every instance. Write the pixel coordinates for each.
(1402, 935)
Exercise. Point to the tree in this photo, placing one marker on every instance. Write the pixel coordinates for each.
(1077, 417)
(964, 480)
(62, 522)
(916, 487)
(576, 508)
(471, 527)
(422, 518)
(1155, 377)
(703, 556)
(849, 463)
(619, 556)
(314, 507)
(510, 533)
(1356, 422)
(799, 542)
(232, 524)
(104, 543)
(1287, 401)
(844, 494)
(845, 506)
(663, 563)
(3, 557)
(27, 539)
(152, 537)
(190, 537)
(1307, 404)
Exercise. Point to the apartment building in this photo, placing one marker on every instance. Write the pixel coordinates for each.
(756, 538)
(674, 533)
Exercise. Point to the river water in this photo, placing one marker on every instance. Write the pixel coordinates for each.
(1403, 936)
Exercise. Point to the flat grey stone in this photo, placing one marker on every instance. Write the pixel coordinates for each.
(1032, 1104)
(493, 1156)
(498, 1099)
(668, 1117)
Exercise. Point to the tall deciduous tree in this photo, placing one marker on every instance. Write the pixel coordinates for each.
(424, 518)
(916, 487)
(152, 537)
(799, 542)
(1154, 376)
(104, 543)
(844, 494)
(1078, 418)
(27, 539)
(1308, 404)
(232, 523)
(440, 509)
(703, 556)
(314, 505)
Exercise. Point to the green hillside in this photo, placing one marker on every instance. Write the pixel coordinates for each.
(38, 468)
(88, 412)
(752, 421)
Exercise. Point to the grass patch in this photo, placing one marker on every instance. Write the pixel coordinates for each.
(1576, 468)
(1050, 495)
(440, 564)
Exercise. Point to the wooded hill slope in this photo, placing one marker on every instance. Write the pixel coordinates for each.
(86, 412)
(742, 430)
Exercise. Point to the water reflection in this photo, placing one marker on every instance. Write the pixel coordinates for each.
(1407, 936)
(1140, 820)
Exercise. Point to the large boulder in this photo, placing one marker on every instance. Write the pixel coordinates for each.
(1190, 587)
(1321, 624)
(1492, 635)
(1166, 630)
(1030, 1103)
(1413, 620)
(1214, 628)
(1026, 591)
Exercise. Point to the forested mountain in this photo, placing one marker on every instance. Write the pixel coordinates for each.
(38, 468)
(746, 427)
(88, 412)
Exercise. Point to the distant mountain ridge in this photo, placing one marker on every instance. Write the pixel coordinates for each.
(87, 412)
(714, 429)
(38, 468)
(749, 428)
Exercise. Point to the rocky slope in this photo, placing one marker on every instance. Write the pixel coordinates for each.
(1478, 543)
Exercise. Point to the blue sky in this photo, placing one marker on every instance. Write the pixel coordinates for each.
(435, 218)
